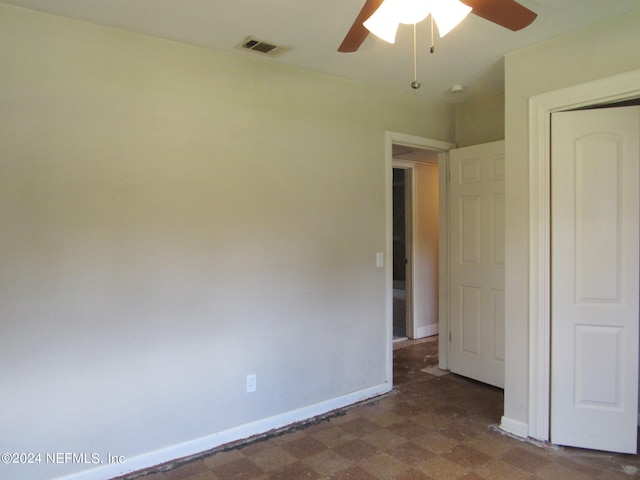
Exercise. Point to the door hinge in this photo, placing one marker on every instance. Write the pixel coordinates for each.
(449, 336)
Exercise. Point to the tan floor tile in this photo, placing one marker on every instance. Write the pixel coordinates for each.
(412, 474)
(587, 466)
(333, 436)
(431, 420)
(615, 475)
(202, 476)
(221, 458)
(384, 439)
(353, 473)
(328, 462)
(408, 429)
(356, 450)
(411, 454)
(187, 470)
(295, 471)
(470, 476)
(525, 458)
(460, 432)
(493, 444)
(436, 442)
(385, 418)
(272, 458)
(384, 466)
(553, 471)
(238, 469)
(406, 409)
(359, 427)
(440, 468)
(467, 457)
(304, 447)
(390, 400)
(499, 470)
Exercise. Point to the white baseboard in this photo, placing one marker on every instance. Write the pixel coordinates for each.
(194, 447)
(514, 427)
(427, 331)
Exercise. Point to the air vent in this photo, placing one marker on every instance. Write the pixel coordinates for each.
(261, 47)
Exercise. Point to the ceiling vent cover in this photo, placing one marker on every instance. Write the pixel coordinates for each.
(261, 47)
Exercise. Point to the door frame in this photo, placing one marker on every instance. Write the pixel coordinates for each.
(608, 90)
(395, 138)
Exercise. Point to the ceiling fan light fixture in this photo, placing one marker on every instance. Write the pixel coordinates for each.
(506, 13)
(448, 14)
(385, 20)
(411, 12)
(384, 23)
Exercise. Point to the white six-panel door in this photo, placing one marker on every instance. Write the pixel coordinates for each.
(594, 274)
(476, 205)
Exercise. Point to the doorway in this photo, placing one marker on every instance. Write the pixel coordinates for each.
(612, 89)
(416, 223)
(402, 202)
(428, 156)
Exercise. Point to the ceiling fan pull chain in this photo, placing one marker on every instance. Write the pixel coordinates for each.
(415, 84)
(433, 45)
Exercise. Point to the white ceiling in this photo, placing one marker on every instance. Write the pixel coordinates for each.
(471, 55)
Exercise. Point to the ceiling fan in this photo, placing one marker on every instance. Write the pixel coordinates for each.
(507, 13)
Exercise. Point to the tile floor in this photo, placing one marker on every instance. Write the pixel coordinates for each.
(429, 428)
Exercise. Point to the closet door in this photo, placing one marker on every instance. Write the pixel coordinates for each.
(595, 159)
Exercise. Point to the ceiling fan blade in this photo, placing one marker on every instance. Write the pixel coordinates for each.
(507, 13)
(358, 32)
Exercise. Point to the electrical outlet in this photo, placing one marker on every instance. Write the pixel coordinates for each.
(251, 383)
